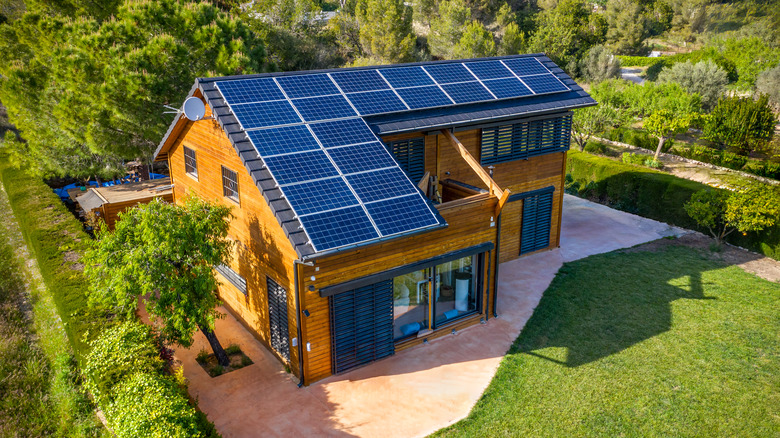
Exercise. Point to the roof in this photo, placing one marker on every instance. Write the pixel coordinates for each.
(247, 108)
(95, 197)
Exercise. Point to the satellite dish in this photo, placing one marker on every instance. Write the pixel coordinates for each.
(194, 109)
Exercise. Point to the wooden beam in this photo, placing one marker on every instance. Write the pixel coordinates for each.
(501, 202)
(423, 184)
(495, 190)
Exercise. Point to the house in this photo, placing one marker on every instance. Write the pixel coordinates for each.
(373, 205)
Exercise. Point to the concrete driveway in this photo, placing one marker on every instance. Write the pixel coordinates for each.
(419, 390)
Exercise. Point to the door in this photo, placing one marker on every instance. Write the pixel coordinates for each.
(277, 317)
(537, 218)
(362, 325)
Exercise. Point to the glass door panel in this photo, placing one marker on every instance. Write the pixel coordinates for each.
(410, 303)
(456, 291)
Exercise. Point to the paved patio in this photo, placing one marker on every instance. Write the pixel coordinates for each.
(419, 390)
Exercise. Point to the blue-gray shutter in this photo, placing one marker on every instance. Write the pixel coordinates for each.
(523, 140)
(362, 325)
(277, 317)
(410, 155)
(537, 215)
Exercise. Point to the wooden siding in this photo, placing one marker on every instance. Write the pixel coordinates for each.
(469, 222)
(262, 249)
(109, 212)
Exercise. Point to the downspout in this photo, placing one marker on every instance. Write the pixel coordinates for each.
(296, 264)
(487, 304)
(495, 267)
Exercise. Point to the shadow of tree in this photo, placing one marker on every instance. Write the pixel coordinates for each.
(597, 317)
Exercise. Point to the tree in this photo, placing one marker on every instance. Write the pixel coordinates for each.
(513, 41)
(600, 64)
(164, 254)
(386, 30)
(665, 124)
(628, 27)
(746, 209)
(741, 124)
(476, 42)
(768, 83)
(447, 28)
(98, 86)
(589, 121)
(566, 32)
(704, 78)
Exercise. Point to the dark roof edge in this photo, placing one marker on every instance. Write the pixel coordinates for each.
(174, 123)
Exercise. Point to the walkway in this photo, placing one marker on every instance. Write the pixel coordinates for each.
(419, 390)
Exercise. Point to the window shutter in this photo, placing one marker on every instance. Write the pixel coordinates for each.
(410, 155)
(277, 317)
(537, 215)
(525, 139)
(362, 325)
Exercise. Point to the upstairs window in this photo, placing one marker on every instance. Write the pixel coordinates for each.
(229, 184)
(523, 140)
(410, 155)
(190, 162)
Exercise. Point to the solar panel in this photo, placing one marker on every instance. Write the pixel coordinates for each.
(336, 228)
(380, 184)
(544, 84)
(258, 115)
(307, 85)
(403, 214)
(525, 66)
(343, 132)
(275, 141)
(467, 92)
(489, 70)
(424, 97)
(305, 166)
(323, 108)
(362, 157)
(376, 102)
(250, 90)
(360, 80)
(406, 77)
(449, 73)
(312, 197)
(504, 88)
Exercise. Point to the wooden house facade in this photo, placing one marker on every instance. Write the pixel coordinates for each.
(400, 243)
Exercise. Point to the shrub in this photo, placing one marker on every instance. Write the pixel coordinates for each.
(595, 147)
(653, 194)
(766, 169)
(741, 124)
(119, 352)
(150, 405)
(710, 54)
(768, 83)
(704, 78)
(713, 156)
(600, 64)
(203, 356)
(640, 159)
(638, 61)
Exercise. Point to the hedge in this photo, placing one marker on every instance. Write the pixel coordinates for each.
(652, 194)
(56, 239)
(637, 61)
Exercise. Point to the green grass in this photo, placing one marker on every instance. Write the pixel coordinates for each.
(641, 344)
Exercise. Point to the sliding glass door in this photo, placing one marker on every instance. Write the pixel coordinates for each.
(410, 303)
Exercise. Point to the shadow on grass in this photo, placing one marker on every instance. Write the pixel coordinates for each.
(609, 314)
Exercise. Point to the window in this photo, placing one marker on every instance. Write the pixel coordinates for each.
(525, 139)
(229, 184)
(190, 162)
(232, 276)
(410, 155)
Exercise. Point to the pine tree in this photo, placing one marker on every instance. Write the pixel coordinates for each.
(386, 30)
(447, 28)
(476, 42)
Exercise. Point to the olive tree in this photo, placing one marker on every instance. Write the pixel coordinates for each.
(665, 124)
(165, 255)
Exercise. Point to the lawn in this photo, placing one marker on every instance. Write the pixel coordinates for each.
(641, 344)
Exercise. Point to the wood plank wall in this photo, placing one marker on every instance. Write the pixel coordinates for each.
(262, 248)
(110, 211)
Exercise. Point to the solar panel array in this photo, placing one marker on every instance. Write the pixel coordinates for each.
(343, 185)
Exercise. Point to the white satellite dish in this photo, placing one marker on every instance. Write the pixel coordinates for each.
(194, 109)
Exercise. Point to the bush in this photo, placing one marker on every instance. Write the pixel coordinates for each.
(600, 64)
(121, 351)
(741, 124)
(696, 56)
(150, 405)
(636, 137)
(713, 156)
(638, 61)
(704, 78)
(640, 159)
(652, 194)
(595, 147)
(766, 169)
(768, 83)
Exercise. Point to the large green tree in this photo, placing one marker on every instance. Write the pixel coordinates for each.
(741, 124)
(476, 42)
(164, 254)
(628, 27)
(447, 28)
(98, 87)
(386, 30)
(704, 78)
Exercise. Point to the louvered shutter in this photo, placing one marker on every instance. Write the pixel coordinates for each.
(362, 325)
(525, 139)
(410, 155)
(277, 317)
(537, 215)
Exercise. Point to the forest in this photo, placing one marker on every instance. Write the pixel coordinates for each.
(86, 83)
